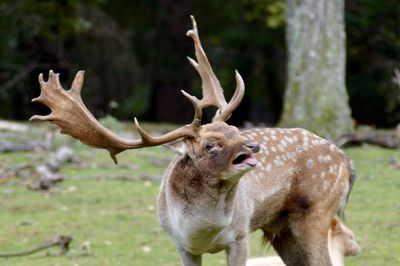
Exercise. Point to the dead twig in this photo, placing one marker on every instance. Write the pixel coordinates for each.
(18, 77)
(61, 241)
(395, 163)
(396, 78)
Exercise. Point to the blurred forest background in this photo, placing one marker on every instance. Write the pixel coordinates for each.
(134, 53)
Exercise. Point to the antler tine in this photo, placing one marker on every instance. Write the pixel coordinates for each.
(77, 83)
(212, 91)
(198, 111)
(213, 94)
(237, 97)
(188, 130)
(70, 113)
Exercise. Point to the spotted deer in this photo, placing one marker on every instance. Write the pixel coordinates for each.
(225, 183)
(341, 243)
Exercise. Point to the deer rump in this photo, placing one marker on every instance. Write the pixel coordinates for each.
(225, 183)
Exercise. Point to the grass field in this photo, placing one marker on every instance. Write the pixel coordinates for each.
(114, 222)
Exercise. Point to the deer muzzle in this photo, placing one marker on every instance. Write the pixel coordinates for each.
(254, 147)
(245, 158)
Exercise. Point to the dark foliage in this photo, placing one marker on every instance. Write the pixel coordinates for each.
(134, 54)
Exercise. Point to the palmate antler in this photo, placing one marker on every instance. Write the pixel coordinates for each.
(70, 113)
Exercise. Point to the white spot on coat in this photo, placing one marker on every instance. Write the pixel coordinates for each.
(284, 143)
(325, 185)
(309, 163)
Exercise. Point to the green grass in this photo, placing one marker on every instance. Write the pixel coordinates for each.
(374, 208)
(118, 218)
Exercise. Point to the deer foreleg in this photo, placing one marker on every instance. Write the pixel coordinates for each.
(189, 259)
(237, 252)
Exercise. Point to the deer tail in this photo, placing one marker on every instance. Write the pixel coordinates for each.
(352, 179)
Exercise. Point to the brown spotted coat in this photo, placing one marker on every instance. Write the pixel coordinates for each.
(300, 182)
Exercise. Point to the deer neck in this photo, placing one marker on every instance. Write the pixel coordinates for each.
(335, 251)
(200, 189)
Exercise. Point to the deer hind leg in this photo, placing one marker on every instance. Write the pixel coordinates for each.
(285, 244)
(304, 244)
(304, 240)
(311, 234)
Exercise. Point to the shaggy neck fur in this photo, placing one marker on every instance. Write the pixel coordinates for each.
(200, 188)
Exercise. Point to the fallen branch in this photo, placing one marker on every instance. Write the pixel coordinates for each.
(118, 177)
(61, 241)
(13, 126)
(10, 147)
(353, 139)
(48, 172)
(16, 171)
(14, 142)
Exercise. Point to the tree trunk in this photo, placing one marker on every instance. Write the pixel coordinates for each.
(316, 96)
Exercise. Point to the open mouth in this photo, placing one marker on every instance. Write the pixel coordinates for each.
(245, 158)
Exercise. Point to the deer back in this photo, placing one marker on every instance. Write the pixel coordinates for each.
(297, 172)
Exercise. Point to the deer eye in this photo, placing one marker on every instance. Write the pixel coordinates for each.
(208, 146)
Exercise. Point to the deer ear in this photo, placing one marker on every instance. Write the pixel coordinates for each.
(178, 146)
(181, 147)
(334, 224)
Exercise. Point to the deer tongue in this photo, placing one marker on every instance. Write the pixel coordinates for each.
(251, 161)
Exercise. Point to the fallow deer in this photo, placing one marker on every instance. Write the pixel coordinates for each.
(225, 183)
(341, 243)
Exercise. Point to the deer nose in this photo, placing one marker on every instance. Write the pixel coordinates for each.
(254, 147)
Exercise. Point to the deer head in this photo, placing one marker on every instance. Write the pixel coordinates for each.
(221, 153)
(215, 146)
(345, 238)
